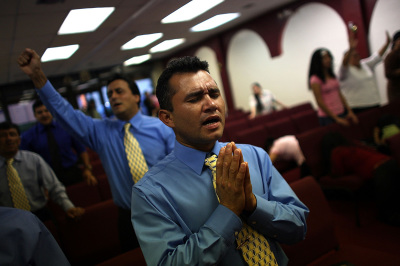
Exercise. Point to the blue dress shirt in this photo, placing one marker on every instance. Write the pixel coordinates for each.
(36, 175)
(25, 240)
(106, 137)
(179, 221)
(35, 139)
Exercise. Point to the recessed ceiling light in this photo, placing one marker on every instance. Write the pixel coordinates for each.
(215, 22)
(166, 45)
(137, 60)
(59, 53)
(84, 20)
(190, 10)
(141, 41)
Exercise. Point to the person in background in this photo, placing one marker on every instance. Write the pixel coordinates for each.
(388, 125)
(357, 80)
(332, 106)
(91, 109)
(392, 70)
(131, 134)
(262, 101)
(57, 147)
(26, 180)
(287, 148)
(190, 208)
(25, 240)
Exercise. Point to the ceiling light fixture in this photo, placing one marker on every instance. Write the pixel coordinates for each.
(59, 53)
(166, 45)
(141, 41)
(84, 20)
(137, 60)
(190, 10)
(215, 22)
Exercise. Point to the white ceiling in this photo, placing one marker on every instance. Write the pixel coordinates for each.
(26, 23)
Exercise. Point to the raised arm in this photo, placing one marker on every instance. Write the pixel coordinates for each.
(386, 45)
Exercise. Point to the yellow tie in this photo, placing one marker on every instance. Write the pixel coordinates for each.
(134, 153)
(254, 246)
(17, 190)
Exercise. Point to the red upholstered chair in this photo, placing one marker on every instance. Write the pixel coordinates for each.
(281, 127)
(255, 136)
(321, 246)
(350, 185)
(305, 120)
(97, 168)
(232, 128)
(94, 237)
(301, 107)
(83, 195)
(104, 187)
(134, 257)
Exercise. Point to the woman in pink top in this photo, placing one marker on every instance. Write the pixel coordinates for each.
(332, 106)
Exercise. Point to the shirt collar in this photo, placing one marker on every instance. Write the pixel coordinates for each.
(136, 121)
(193, 158)
(17, 158)
(42, 128)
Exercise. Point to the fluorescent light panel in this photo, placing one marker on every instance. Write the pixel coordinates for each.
(166, 45)
(59, 53)
(215, 22)
(190, 10)
(84, 20)
(141, 41)
(137, 60)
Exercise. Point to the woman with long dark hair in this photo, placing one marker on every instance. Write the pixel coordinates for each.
(332, 106)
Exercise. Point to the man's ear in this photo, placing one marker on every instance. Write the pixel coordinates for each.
(166, 117)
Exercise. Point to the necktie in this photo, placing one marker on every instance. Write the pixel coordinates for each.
(254, 246)
(54, 150)
(17, 190)
(134, 153)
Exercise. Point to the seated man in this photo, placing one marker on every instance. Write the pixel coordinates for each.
(25, 240)
(194, 208)
(58, 148)
(26, 180)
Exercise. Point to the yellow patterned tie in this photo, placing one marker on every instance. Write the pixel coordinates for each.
(134, 153)
(17, 190)
(254, 246)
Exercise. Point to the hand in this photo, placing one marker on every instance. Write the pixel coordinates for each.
(89, 177)
(250, 198)
(230, 179)
(29, 63)
(388, 38)
(75, 212)
(342, 121)
(351, 116)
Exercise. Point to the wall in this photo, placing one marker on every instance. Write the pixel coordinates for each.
(275, 49)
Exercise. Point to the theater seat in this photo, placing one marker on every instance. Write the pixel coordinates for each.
(133, 257)
(94, 237)
(321, 246)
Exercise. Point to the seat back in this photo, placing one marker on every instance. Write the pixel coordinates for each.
(394, 146)
(320, 238)
(281, 127)
(310, 144)
(255, 136)
(305, 120)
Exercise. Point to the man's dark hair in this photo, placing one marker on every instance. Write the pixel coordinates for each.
(7, 125)
(132, 84)
(186, 64)
(37, 104)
